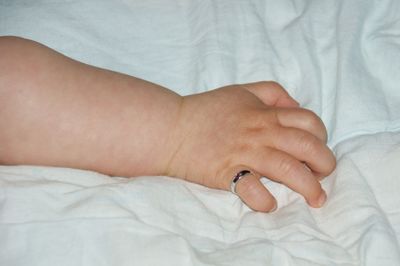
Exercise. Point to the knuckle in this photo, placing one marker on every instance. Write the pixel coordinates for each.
(274, 85)
(286, 166)
(263, 123)
(311, 119)
(258, 120)
(243, 148)
(313, 123)
(308, 144)
(272, 117)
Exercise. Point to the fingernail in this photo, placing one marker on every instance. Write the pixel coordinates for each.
(321, 200)
(274, 208)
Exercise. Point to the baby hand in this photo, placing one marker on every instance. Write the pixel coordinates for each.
(256, 127)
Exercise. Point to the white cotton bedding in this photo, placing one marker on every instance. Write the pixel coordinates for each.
(339, 58)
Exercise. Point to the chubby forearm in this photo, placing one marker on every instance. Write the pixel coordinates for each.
(58, 112)
(74, 115)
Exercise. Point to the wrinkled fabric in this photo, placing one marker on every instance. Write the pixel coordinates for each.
(340, 59)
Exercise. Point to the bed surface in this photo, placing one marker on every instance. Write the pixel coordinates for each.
(340, 59)
(53, 216)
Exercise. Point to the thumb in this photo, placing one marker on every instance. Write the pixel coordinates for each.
(271, 93)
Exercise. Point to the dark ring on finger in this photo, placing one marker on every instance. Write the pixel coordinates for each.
(236, 179)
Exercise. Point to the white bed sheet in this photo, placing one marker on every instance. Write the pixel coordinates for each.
(338, 58)
(52, 216)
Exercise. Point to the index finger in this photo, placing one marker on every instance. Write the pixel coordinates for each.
(306, 148)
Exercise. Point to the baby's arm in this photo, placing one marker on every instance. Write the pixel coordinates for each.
(59, 112)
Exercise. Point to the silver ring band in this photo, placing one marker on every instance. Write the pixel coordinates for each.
(236, 179)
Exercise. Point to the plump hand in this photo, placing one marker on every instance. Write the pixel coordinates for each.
(69, 114)
(254, 126)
